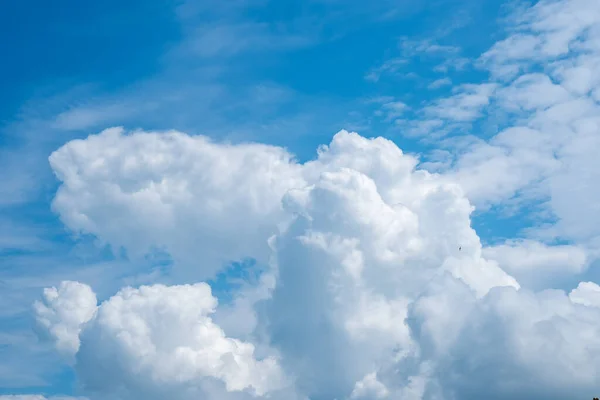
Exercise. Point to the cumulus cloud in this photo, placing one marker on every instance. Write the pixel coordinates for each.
(511, 344)
(174, 192)
(375, 271)
(369, 388)
(374, 284)
(538, 265)
(158, 341)
(586, 293)
(63, 312)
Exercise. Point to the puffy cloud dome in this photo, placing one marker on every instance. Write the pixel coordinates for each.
(376, 284)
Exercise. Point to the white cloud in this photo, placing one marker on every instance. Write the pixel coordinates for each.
(412, 48)
(547, 30)
(409, 49)
(387, 215)
(438, 83)
(536, 264)
(453, 63)
(512, 344)
(63, 312)
(365, 262)
(530, 92)
(494, 171)
(456, 113)
(394, 109)
(390, 67)
(158, 340)
(213, 40)
(86, 117)
(544, 96)
(377, 284)
(184, 194)
(465, 105)
(369, 388)
(586, 293)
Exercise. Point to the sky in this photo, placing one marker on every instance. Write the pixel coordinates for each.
(300, 200)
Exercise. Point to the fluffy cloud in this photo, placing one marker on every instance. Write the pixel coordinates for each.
(374, 285)
(368, 238)
(158, 341)
(375, 269)
(369, 387)
(511, 344)
(586, 293)
(63, 312)
(184, 194)
(362, 264)
(538, 265)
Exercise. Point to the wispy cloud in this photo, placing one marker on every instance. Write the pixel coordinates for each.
(391, 66)
(220, 40)
(464, 106)
(391, 110)
(552, 110)
(409, 49)
(438, 83)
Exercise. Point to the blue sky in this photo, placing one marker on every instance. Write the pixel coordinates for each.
(287, 74)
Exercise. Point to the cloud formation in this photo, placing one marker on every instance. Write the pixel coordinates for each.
(545, 151)
(158, 341)
(377, 287)
(174, 191)
(63, 312)
(374, 284)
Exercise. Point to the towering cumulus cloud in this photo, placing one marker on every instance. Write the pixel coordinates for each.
(375, 284)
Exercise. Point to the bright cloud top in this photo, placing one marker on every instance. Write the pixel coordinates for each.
(63, 312)
(159, 341)
(379, 289)
(174, 191)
